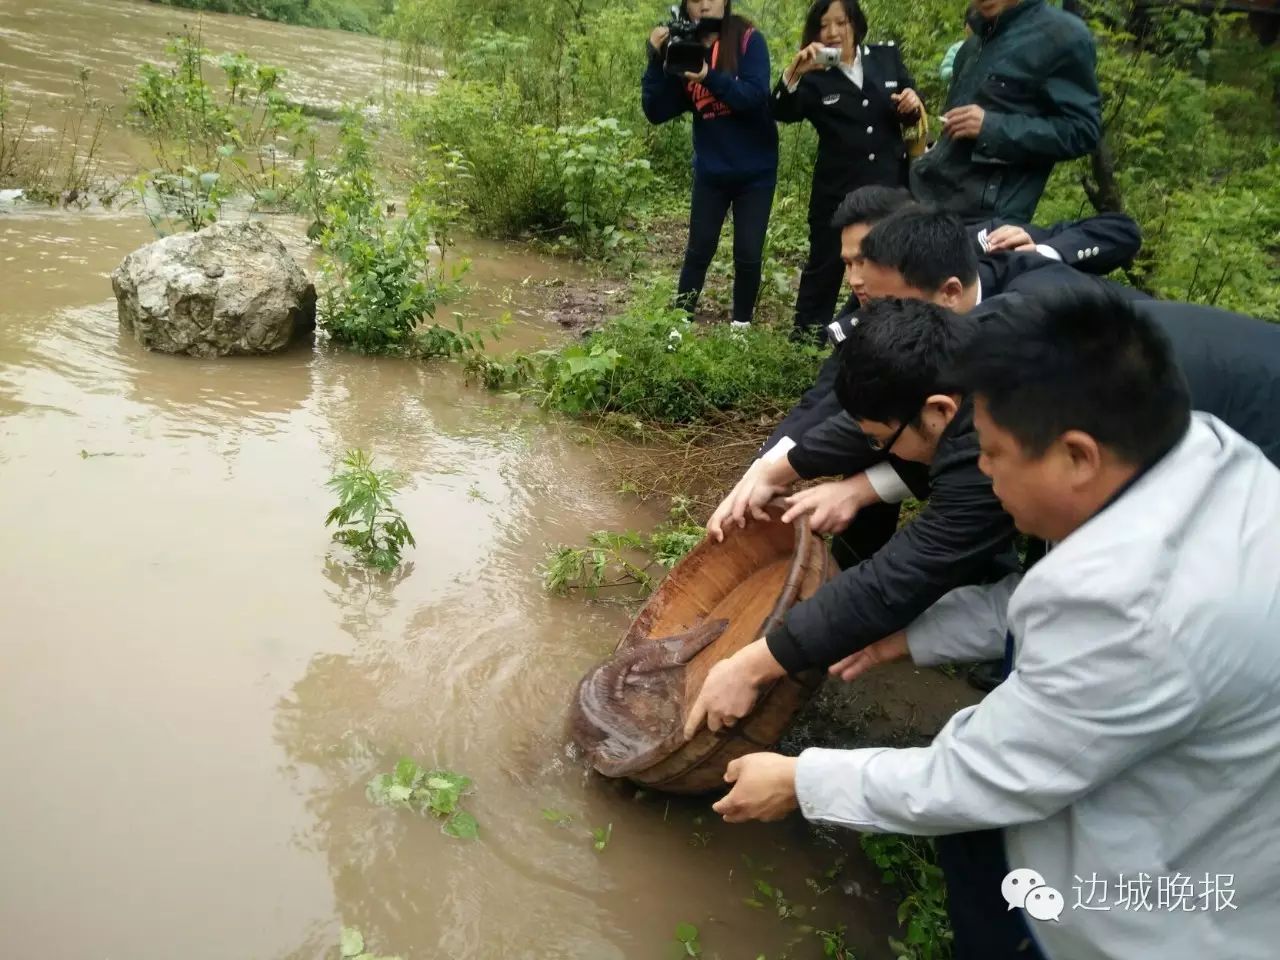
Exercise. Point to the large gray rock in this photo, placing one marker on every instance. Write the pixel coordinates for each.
(231, 288)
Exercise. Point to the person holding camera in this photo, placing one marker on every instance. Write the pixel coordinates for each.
(715, 64)
(859, 98)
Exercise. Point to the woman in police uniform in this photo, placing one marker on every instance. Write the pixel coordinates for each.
(859, 108)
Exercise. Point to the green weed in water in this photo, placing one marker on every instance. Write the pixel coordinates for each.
(379, 283)
(687, 943)
(558, 817)
(351, 946)
(367, 520)
(833, 945)
(435, 792)
(911, 865)
(213, 141)
(620, 559)
(601, 836)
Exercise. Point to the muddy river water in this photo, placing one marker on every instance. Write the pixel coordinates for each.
(194, 693)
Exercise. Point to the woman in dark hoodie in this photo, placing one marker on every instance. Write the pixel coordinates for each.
(859, 106)
(735, 145)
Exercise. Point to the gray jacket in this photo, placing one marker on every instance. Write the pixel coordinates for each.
(1139, 734)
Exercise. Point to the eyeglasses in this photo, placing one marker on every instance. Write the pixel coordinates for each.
(880, 446)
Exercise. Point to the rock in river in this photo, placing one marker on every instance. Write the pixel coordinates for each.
(231, 288)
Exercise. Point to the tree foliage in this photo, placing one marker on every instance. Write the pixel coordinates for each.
(1190, 111)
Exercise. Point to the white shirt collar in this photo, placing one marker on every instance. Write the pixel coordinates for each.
(854, 71)
(979, 300)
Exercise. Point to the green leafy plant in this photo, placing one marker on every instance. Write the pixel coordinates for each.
(600, 837)
(62, 166)
(13, 132)
(368, 522)
(435, 792)
(652, 366)
(833, 944)
(212, 142)
(379, 283)
(601, 177)
(436, 340)
(351, 946)
(505, 183)
(911, 865)
(626, 559)
(558, 817)
(767, 895)
(687, 943)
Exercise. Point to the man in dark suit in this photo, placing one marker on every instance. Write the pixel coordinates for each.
(919, 254)
(1006, 253)
(1097, 244)
(1232, 363)
(961, 278)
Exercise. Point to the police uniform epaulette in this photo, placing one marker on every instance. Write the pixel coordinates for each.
(839, 329)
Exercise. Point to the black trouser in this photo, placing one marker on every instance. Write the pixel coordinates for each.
(985, 928)
(751, 201)
(821, 279)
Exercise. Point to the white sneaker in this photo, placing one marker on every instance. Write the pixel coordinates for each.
(740, 324)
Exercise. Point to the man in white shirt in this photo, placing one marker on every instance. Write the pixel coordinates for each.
(1138, 735)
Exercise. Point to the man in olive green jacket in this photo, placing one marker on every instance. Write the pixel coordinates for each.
(1023, 96)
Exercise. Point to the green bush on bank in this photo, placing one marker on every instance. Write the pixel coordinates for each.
(379, 283)
(580, 181)
(1195, 154)
(651, 365)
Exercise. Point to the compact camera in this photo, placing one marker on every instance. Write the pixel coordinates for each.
(685, 52)
(828, 57)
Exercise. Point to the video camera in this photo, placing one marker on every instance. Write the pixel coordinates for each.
(685, 52)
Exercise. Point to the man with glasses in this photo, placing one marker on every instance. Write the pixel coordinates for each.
(961, 537)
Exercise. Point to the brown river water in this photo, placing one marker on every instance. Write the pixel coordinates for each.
(194, 692)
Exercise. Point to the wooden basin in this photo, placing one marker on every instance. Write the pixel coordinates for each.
(630, 710)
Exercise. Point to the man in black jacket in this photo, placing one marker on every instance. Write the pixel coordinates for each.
(951, 543)
(1097, 244)
(950, 266)
(1091, 245)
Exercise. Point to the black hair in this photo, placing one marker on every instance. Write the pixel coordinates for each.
(813, 20)
(926, 246)
(893, 359)
(1077, 359)
(870, 205)
(733, 30)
